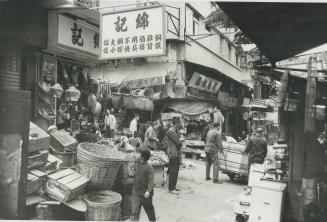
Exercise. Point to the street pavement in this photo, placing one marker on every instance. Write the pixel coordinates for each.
(198, 200)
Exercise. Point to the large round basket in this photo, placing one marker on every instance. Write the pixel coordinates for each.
(102, 205)
(100, 163)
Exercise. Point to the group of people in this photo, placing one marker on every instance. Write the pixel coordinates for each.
(143, 184)
(155, 136)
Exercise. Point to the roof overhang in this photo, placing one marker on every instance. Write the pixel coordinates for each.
(280, 30)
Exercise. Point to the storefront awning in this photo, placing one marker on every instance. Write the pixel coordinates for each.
(134, 76)
(191, 107)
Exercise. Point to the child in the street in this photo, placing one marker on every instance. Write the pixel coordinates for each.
(143, 187)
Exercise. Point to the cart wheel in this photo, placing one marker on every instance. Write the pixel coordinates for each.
(239, 218)
(231, 176)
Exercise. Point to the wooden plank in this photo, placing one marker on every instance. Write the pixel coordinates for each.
(37, 173)
(69, 178)
(77, 183)
(61, 174)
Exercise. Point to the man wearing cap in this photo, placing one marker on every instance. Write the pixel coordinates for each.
(174, 145)
(212, 148)
(256, 148)
(133, 125)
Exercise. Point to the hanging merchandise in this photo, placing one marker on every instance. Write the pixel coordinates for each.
(97, 108)
(91, 100)
(72, 94)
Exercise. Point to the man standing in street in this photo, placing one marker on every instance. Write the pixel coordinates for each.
(133, 125)
(212, 148)
(205, 130)
(109, 124)
(256, 148)
(174, 146)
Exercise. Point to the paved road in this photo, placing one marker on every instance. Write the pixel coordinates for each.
(199, 200)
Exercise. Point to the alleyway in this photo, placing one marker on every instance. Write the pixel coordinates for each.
(199, 200)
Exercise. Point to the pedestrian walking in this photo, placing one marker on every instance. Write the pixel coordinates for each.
(212, 148)
(150, 138)
(143, 187)
(174, 145)
(256, 148)
(133, 125)
(109, 124)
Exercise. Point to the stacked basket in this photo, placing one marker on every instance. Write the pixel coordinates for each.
(100, 163)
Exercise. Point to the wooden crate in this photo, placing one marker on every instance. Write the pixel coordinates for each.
(66, 185)
(35, 180)
(38, 139)
(61, 140)
(37, 160)
(235, 161)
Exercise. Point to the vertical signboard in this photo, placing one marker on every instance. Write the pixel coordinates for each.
(133, 33)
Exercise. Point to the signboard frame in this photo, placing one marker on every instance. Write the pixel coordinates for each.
(164, 21)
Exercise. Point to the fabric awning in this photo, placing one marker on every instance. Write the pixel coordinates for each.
(191, 107)
(133, 75)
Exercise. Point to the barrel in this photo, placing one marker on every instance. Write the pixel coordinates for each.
(102, 205)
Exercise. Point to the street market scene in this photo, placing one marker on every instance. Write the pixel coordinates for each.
(139, 110)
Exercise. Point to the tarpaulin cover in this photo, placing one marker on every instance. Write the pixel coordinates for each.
(191, 107)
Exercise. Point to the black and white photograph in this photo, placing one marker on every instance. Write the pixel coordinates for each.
(172, 111)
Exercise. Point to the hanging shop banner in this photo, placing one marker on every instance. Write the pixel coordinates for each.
(133, 33)
(227, 100)
(199, 81)
(145, 82)
(72, 35)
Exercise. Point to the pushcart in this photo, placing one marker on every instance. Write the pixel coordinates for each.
(234, 163)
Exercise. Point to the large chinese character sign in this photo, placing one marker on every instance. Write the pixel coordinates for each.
(129, 34)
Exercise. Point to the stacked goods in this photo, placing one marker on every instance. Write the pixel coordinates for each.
(61, 141)
(37, 159)
(66, 185)
(38, 139)
(102, 205)
(234, 146)
(35, 180)
(100, 163)
(158, 158)
(63, 146)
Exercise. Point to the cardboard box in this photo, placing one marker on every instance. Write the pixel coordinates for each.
(66, 185)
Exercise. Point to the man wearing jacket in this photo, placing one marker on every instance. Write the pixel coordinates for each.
(143, 187)
(212, 148)
(174, 145)
(256, 148)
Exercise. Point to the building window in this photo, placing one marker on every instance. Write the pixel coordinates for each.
(195, 27)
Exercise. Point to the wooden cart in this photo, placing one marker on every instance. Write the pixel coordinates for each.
(235, 162)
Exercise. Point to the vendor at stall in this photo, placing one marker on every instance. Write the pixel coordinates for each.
(133, 125)
(150, 138)
(109, 124)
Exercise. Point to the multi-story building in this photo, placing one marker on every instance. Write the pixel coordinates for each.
(204, 62)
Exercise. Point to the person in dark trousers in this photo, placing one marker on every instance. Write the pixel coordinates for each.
(205, 130)
(212, 148)
(256, 148)
(174, 145)
(141, 130)
(143, 187)
(161, 133)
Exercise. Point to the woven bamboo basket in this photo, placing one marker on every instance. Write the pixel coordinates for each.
(102, 206)
(100, 163)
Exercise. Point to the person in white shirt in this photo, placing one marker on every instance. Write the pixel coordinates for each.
(109, 124)
(133, 125)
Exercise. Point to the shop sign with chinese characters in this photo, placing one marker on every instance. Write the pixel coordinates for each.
(73, 35)
(136, 33)
(227, 100)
